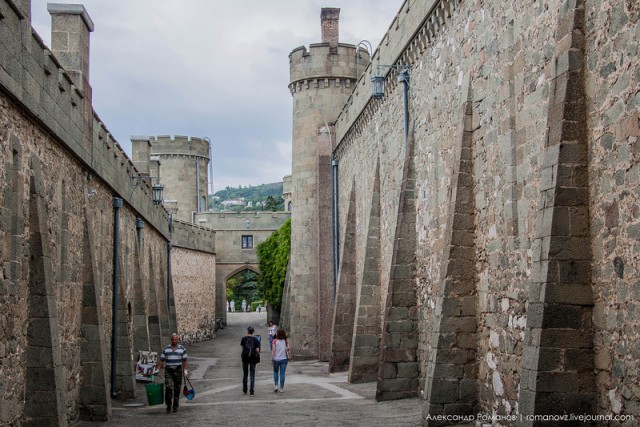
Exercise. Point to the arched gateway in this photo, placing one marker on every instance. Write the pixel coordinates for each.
(238, 235)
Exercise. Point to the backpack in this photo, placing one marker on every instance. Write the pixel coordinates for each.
(249, 352)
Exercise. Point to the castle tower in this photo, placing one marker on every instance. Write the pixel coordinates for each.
(321, 80)
(184, 162)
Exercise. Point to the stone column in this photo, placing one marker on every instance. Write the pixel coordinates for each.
(558, 359)
(451, 383)
(345, 304)
(324, 284)
(141, 153)
(95, 404)
(70, 28)
(45, 383)
(398, 370)
(367, 331)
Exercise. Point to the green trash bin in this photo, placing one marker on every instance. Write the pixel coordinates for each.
(155, 393)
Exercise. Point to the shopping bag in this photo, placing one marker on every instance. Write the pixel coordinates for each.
(189, 392)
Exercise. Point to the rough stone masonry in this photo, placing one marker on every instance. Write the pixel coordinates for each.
(505, 278)
(75, 226)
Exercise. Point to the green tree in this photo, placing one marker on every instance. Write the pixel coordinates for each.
(271, 205)
(273, 257)
(243, 286)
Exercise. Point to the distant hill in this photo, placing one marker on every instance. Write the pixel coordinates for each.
(249, 198)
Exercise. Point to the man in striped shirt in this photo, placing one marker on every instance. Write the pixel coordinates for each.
(174, 358)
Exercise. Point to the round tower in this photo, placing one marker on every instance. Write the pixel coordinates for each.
(183, 167)
(321, 80)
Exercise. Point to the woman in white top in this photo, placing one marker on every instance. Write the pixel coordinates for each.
(272, 333)
(280, 355)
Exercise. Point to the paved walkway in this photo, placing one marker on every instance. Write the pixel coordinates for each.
(312, 396)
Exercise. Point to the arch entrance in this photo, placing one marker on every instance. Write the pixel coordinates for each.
(242, 287)
(238, 235)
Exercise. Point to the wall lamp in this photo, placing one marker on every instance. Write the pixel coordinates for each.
(247, 223)
(377, 81)
(156, 188)
(156, 191)
(377, 84)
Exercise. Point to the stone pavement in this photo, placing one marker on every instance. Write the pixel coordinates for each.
(312, 396)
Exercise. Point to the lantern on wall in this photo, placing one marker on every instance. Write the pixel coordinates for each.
(377, 81)
(156, 191)
(377, 86)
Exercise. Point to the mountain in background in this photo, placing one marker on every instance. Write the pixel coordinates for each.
(264, 197)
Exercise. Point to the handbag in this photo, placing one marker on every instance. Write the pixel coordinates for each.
(188, 392)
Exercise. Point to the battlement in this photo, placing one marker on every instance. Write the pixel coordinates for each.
(258, 220)
(320, 61)
(34, 78)
(179, 145)
(191, 236)
(407, 36)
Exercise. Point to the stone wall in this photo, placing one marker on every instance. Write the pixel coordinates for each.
(57, 214)
(74, 226)
(194, 290)
(193, 264)
(515, 226)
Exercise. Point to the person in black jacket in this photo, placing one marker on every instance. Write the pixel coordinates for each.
(250, 356)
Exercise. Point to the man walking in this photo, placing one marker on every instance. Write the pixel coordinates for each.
(174, 359)
(250, 356)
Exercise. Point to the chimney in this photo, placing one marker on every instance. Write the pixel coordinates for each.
(70, 28)
(330, 19)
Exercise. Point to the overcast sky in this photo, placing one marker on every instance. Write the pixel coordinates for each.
(210, 68)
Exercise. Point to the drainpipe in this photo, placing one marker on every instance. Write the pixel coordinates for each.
(210, 180)
(336, 255)
(117, 204)
(169, 277)
(169, 265)
(139, 227)
(197, 184)
(404, 78)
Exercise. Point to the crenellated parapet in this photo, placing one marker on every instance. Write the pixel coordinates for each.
(179, 145)
(403, 44)
(180, 163)
(321, 66)
(34, 78)
(189, 236)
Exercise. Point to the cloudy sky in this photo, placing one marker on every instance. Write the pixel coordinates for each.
(210, 68)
